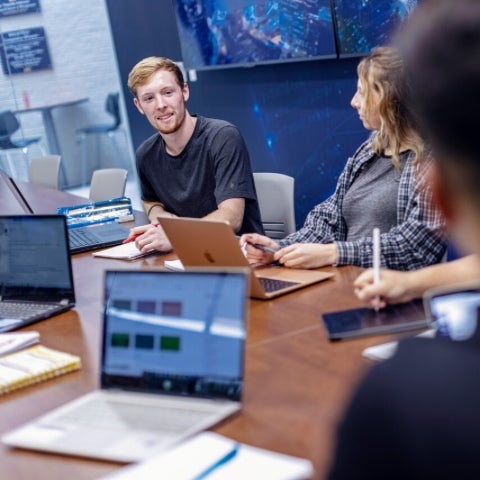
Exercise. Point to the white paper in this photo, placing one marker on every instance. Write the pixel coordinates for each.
(11, 342)
(176, 265)
(384, 351)
(125, 251)
(187, 460)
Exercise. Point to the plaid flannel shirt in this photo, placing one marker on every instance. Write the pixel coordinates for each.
(418, 240)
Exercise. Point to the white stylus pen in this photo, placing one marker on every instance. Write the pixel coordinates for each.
(376, 259)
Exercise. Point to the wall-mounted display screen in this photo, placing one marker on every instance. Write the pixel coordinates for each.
(222, 33)
(364, 24)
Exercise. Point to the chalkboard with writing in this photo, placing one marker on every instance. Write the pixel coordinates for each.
(24, 51)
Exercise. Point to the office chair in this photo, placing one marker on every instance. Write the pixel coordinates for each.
(108, 183)
(9, 124)
(45, 171)
(275, 194)
(112, 107)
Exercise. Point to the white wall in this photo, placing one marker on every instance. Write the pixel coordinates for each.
(84, 65)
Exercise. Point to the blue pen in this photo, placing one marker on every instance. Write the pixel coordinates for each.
(221, 461)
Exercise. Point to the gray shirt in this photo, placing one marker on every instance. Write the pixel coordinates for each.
(371, 200)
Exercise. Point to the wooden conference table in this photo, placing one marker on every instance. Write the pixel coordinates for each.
(297, 383)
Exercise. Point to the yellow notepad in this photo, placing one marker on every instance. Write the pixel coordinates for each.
(33, 365)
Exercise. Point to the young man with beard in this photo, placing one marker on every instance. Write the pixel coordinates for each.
(193, 166)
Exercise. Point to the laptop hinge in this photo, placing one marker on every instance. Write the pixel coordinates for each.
(64, 301)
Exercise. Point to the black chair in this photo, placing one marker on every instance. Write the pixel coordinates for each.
(112, 107)
(9, 124)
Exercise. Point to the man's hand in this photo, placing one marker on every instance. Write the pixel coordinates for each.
(393, 287)
(151, 237)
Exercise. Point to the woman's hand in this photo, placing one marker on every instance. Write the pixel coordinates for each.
(258, 248)
(307, 255)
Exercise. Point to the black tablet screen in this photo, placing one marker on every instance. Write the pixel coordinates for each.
(366, 321)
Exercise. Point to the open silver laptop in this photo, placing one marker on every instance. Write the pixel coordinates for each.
(172, 365)
(201, 243)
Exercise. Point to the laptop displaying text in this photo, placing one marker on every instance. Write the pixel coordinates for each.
(35, 269)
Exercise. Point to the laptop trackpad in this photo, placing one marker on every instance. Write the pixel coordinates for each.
(131, 446)
(39, 435)
(126, 447)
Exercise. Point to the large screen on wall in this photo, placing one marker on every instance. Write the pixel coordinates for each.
(226, 33)
(364, 24)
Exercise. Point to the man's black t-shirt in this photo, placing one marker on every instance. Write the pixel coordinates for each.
(214, 166)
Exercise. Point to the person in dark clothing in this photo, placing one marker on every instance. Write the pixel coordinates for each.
(192, 166)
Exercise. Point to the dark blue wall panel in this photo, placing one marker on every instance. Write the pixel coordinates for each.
(296, 117)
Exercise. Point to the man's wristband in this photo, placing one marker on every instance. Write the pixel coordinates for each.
(152, 207)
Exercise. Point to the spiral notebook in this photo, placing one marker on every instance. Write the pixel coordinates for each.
(32, 365)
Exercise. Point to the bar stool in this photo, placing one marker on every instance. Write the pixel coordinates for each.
(112, 107)
(9, 124)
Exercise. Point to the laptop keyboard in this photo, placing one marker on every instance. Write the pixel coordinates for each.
(24, 310)
(80, 238)
(274, 284)
(121, 415)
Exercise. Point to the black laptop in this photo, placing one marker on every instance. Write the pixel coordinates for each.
(85, 237)
(95, 236)
(35, 269)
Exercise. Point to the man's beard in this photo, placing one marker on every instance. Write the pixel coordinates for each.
(175, 127)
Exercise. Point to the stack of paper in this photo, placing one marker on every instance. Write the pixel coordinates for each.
(212, 456)
(126, 251)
